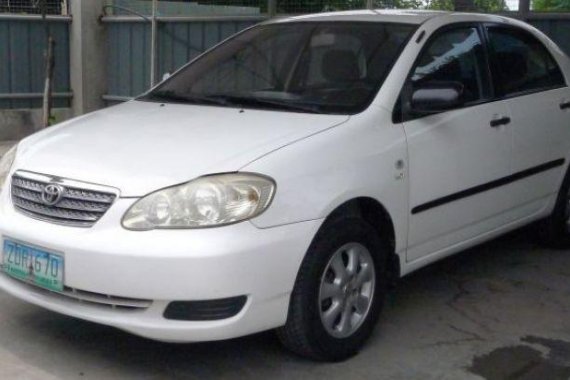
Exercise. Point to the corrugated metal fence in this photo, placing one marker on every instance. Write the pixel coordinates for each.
(22, 40)
(22, 44)
(179, 41)
(556, 27)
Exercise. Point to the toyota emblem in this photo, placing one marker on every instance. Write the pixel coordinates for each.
(52, 194)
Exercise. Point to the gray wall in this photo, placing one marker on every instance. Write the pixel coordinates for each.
(22, 44)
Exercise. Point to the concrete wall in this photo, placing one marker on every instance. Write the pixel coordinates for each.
(88, 47)
(17, 124)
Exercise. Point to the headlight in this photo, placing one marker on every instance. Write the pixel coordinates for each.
(205, 202)
(6, 164)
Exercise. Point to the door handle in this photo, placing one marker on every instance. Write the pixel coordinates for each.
(565, 105)
(501, 121)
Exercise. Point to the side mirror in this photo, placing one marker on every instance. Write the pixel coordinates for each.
(165, 76)
(434, 97)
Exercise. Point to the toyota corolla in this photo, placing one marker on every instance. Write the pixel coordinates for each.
(285, 178)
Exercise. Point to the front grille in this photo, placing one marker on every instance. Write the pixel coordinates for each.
(80, 204)
(105, 300)
(90, 298)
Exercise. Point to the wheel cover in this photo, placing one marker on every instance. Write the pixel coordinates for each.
(347, 290)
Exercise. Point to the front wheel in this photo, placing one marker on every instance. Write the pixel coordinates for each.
(339, 292)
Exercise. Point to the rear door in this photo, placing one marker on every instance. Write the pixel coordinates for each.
(529, 81)
(455, 157)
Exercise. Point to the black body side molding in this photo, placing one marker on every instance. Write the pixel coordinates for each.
(488, 186)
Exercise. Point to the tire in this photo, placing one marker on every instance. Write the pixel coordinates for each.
(554, 231)
(306, 332)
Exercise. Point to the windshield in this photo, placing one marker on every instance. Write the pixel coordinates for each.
(316, 67)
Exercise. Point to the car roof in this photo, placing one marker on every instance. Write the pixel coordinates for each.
(415, 17)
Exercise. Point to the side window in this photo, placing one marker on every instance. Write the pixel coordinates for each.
(454, 56)
(521, 63)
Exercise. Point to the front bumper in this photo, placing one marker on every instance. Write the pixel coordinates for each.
(165, 266)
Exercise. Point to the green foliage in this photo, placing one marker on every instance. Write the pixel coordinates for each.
(551, 5)
(491, 6)
(441, 5)
(487, 6)
(408, 4)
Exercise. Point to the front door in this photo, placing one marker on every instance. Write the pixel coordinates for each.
(455, 157)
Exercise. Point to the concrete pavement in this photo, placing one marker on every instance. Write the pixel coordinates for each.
(498, 311)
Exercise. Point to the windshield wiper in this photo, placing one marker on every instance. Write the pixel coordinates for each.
(230, 100)
(192, 99)
(272, 103)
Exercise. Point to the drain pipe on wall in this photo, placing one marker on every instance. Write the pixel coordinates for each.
(49, 66)
(153, 49)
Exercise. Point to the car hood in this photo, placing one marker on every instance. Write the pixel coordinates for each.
(139, 147)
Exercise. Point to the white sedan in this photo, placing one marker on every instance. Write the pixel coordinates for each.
(285, 178)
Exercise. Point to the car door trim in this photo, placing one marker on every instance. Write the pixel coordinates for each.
(488, 186)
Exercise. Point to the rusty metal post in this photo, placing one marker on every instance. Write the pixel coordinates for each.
(271, 8)
(154, 43)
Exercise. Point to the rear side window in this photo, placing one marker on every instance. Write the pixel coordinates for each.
(455, 56)
(521, 63)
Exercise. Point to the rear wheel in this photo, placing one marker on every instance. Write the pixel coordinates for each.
(554, 231)
(338, 293)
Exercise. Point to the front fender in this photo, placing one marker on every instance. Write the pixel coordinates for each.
(357, 159)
